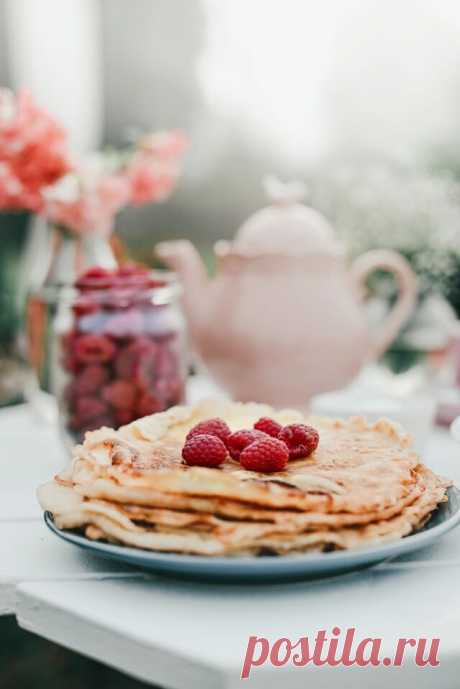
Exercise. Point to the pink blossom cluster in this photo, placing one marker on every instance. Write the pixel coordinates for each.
(36, 173)
(88, 199)
(33, 152)
(154, 168)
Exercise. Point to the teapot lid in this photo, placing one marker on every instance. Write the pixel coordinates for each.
(287, 226)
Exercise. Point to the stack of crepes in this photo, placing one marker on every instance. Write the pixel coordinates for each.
(364, 484)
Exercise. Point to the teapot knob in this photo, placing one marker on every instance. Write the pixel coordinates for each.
(284, 193)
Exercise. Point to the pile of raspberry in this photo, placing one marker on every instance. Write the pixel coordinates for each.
(267, 447)
(122, 353)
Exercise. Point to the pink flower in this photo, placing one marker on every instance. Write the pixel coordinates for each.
(33, 151)
(88, 199)
(154, 168)
(114, 192)
(87, 208)
(35, 167)
(148, 183)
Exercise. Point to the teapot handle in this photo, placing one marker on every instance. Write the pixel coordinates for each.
(391, 261)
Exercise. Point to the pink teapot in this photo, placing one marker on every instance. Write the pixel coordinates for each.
(283, 318)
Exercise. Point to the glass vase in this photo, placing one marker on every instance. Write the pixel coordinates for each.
(60, 256)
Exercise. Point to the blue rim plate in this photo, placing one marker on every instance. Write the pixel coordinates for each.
(268, 568)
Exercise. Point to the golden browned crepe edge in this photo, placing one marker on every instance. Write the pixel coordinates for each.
(114, 525)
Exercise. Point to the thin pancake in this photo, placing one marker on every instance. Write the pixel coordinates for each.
(357, 467)
(112, 524)
(145, 500)
(364, 483)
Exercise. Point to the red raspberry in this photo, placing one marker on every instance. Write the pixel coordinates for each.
(301, 440)
(124, 416)
(204, 450)
(268, 426)
(236, 442)
(95, 278)
(89, 380)
(84, 305)
(120, 394)
(166, 362)
(145, 370)
(94, 376)
(149, 404)
(137, 361)
(94, 349)
(215, 427)
(88, 408)
(266, 455)
(171, 390)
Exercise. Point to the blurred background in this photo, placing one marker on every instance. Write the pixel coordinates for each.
(358, 100)
(351, 97)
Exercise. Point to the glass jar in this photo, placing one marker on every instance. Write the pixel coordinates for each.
(121, 349)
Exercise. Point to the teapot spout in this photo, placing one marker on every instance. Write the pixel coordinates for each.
(182, 257)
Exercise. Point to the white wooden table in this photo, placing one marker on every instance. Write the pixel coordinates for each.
(186, 636)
